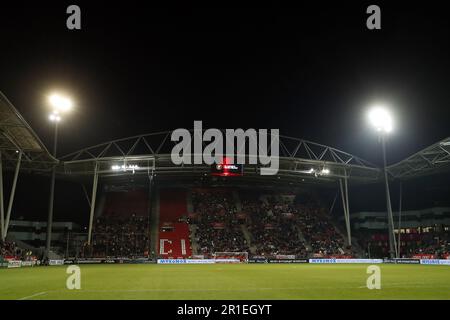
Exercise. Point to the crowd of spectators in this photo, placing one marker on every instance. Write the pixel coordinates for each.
(275, 224)
(213, 206)
(272, 225)
(429, 243)
(115, 236)
(227, 239)
(218, 228)
(415, 244)
(320, 232)
(8, 248)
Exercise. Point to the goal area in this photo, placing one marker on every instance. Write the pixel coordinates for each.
(231, 257)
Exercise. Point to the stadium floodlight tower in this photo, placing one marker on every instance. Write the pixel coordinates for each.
(381, 119)
(59, 104)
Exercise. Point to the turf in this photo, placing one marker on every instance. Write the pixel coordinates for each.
(249, 281)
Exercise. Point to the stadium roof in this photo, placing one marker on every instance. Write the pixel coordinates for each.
(17, 136)
(431, 160)
(299, 159)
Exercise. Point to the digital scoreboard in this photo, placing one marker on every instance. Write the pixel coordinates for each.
(227, 170)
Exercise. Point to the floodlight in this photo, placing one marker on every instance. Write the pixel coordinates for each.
(60, 103)
(54, 117)
(381, 119)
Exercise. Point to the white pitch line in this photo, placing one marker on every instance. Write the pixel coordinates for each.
(201, 290)
(33, 295)
(217, 290)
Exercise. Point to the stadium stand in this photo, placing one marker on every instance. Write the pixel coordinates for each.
(417, 243)
(320, 232)
(262, 223)
(172, 204)
(122, 230)
(273, 227)
(218, 228)
(294, 225)
(277, 224)
(9, 249)
(121, 237)
(174, 233)
(125, 203)
(174, 241)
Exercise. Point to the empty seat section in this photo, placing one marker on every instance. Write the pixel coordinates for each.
(172, 205)
(125, 204)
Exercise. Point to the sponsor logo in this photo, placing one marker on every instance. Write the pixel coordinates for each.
(435, 261)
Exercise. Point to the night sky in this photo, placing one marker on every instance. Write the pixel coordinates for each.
(311, 71)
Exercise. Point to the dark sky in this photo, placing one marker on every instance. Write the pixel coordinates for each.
(311, 71)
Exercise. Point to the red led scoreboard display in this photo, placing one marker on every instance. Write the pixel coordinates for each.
(227, 170)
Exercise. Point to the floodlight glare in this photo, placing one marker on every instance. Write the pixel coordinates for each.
(60, 103)
(54, 117)
(131, 167)
(380, 119)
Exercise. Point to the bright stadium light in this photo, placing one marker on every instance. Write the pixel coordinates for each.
(60, 103)
(325, 171)
(54, 117)
(130, 167)
(381, 119)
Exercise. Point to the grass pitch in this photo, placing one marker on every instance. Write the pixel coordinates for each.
(243, 281)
